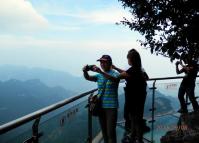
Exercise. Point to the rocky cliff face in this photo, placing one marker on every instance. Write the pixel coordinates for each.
(187, 130)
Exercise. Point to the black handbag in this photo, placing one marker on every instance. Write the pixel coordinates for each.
(95, 103)
(95, 106)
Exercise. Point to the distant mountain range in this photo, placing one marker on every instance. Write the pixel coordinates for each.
(18, 98)
(163, 103)
(49, 77)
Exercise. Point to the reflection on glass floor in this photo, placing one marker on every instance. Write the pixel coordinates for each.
(163, 124)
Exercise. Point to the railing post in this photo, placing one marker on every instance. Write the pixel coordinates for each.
(153, 111)
(35, 133)
(90, 136)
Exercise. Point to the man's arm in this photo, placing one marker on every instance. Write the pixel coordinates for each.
(177, 68)
(87, 76)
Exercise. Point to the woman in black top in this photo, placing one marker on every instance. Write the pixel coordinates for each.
(135, 94)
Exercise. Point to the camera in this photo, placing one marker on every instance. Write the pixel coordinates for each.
(90, 67)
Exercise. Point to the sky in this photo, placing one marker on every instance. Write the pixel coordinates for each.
(65, 35)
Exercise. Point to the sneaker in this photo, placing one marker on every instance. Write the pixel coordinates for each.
(183, 111)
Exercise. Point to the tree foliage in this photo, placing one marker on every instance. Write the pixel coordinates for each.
(170, 27)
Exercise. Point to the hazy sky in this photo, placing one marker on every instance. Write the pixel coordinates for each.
(67, 34)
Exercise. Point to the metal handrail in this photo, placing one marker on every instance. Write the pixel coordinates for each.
(166, 78)
(20, 121)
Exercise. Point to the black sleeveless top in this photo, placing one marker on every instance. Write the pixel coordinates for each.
(136, 82)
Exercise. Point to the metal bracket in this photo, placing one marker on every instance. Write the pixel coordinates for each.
(35, 133)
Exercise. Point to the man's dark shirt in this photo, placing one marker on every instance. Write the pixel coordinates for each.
(191, 75)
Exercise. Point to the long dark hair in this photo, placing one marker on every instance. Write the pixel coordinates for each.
(135, 59)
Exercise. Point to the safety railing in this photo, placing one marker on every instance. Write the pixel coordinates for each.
(76, 120)
(53, 126)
